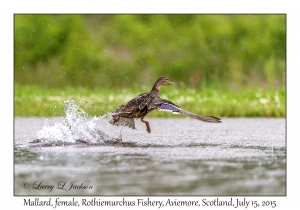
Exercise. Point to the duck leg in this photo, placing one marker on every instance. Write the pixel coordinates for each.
(147, 125)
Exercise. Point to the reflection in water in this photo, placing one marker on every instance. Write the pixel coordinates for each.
(150, 171)
(24, 155)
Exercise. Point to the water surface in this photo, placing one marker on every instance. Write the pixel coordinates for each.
(241, 156)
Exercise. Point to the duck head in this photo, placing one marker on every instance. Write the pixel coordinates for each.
(161, 82)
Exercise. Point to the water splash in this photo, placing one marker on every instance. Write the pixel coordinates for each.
(76, 127)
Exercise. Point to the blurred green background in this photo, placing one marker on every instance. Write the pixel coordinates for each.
(237, 58)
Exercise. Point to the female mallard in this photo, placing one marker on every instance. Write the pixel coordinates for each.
(144, 103)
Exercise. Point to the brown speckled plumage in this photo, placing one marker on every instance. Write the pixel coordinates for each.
(145, 103)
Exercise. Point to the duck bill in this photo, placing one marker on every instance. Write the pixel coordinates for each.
(171, 83)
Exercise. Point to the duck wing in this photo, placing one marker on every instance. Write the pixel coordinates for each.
(125, 114)
(168, 106)
(143, 100)
(135, 104)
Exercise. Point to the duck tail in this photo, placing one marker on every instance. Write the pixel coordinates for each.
(121, 121)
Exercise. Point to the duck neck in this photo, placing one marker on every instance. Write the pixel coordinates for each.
(156, 88)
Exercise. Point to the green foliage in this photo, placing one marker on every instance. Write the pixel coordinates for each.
(226, 51)
(37, 101)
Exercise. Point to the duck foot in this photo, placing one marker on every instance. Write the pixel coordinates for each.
(148, 128)
(147, 125)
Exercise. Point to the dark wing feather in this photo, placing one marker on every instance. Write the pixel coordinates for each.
(125, 114)
(143, 100)
(165, 105)
(133, 106)
(140, 101)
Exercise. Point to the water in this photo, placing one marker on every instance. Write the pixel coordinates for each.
(81, 155)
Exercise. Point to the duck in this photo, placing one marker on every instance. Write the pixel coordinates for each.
(143, 104)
